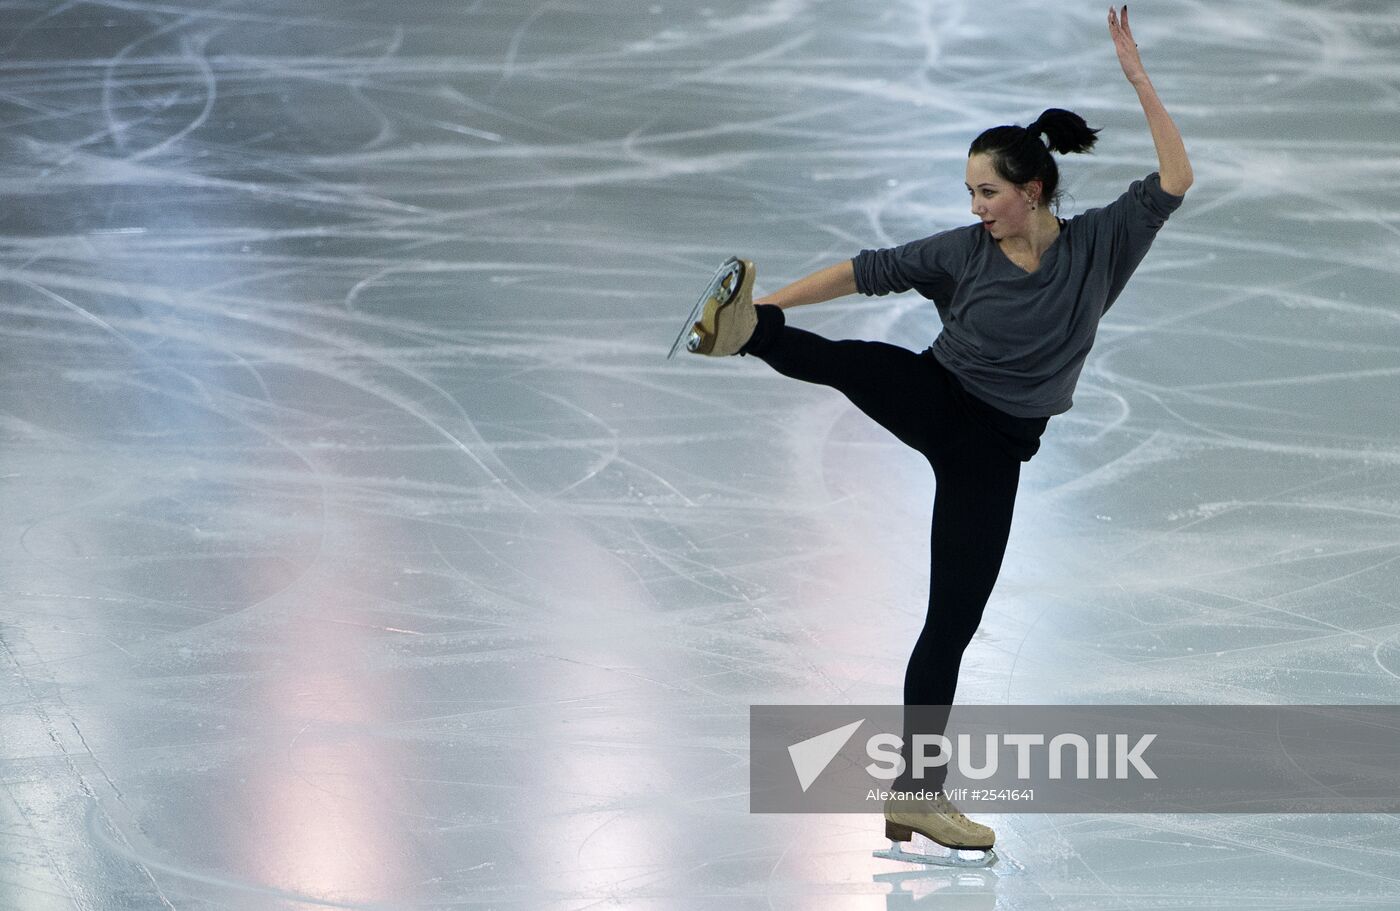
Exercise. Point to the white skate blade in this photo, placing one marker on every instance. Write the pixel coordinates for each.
(732, 266)
(922, 850)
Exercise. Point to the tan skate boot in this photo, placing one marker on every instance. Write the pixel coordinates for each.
(937, 820)
(729, 317)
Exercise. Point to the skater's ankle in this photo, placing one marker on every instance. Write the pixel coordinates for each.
(770, 322)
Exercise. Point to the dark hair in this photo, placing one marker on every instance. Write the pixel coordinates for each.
(1019, 156)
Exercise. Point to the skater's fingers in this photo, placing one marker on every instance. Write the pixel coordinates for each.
(1119, 28)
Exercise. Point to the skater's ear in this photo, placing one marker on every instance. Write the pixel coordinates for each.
(1034, 191)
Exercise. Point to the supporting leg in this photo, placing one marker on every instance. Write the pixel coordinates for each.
(972, 511)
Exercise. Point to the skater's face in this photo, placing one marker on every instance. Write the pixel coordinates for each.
(1001, 206)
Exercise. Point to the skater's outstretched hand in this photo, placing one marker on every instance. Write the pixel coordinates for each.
(1173, 165)
(1125, 45)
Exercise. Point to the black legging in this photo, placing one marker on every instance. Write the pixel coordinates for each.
(915, 398)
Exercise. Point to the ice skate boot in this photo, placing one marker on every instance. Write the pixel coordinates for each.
(723, 320)
(937, 821)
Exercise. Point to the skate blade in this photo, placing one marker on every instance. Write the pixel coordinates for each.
(725, 282)
(939, 856)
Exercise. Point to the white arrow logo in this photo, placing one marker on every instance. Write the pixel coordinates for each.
(811, 757)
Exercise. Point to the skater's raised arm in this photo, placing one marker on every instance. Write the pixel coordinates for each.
(824, 285)
(1174, 167)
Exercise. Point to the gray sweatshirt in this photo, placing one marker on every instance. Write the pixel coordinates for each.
(1017, 339)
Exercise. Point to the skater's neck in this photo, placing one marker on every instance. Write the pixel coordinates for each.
(1040, 232)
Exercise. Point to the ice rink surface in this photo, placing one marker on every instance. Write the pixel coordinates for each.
(359, 548)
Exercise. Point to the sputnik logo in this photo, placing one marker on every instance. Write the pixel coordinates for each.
(810, 757)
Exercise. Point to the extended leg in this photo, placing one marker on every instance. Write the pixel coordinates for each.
(892, 385)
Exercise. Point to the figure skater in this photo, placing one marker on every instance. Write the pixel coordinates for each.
(1020, 294)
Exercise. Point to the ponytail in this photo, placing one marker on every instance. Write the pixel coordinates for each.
(1066, 131)
(1019, 155)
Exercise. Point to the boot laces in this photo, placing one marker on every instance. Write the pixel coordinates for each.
(948, 808)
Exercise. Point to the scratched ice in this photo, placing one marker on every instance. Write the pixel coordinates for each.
(360, 550)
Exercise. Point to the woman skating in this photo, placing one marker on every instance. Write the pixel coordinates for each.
(1020, 294)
